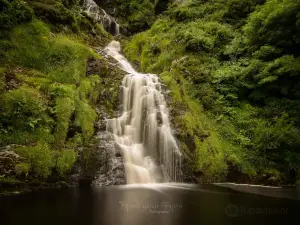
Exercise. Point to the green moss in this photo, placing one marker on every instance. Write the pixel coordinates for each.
(64, 107)
(172, 85)
(134, 48)
(63, 59)
(65, 160)
(137, 15)
(39, 83)
(23, 108)
(75, 141)
(70, 58)
(189, 46)
(9, 180)
(46, 100)
(62, 90)
(54, 13)
(30, 41)
(87, 87)
(85, 116)
(24, 137)
(13, 13)
(2, 80)
(40, 158)
(28, 98)
(211, 157)
(22, 168)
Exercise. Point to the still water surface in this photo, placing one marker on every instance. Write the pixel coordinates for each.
(163, 204)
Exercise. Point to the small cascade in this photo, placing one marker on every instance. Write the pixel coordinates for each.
(143, 130)
(107, 21)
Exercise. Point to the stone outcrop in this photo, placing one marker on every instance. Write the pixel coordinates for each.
(111, 171)
(8, 161)
(102, 163)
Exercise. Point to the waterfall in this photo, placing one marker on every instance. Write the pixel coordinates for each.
(143, 130)
(107, 21)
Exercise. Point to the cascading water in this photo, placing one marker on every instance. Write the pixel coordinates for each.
(108, 22)
(143, 130)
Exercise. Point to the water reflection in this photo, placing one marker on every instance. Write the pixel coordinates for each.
(165, 204)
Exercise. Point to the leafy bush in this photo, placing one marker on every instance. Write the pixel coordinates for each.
(85, 116)
(238, 10)
(40, 158)
(275, 23)
(138, 15)
(22, 168)
(13, 13)
(23, 108)
(232, 68)
(46, 99)
(66, 159)
(63, 110)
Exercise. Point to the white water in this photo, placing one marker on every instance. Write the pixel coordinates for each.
(143, 130)
(108, 22)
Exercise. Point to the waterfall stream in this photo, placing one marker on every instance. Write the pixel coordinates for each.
(143, 130)
(107, 21)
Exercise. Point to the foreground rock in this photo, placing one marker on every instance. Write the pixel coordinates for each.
(102, 164)
(112, 170)
(8, 162)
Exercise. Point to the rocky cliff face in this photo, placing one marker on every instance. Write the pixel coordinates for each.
(101, 163)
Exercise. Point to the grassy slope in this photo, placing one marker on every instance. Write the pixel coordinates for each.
(234, 99)
(47, 102)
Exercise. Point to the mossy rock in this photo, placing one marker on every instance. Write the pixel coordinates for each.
(8, 162)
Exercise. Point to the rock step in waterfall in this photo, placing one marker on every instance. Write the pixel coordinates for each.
(108, 22)
(143, 130)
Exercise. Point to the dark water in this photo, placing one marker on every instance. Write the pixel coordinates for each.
(153, 205)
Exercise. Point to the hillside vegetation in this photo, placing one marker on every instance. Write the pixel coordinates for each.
(47, 100)
(233, 71)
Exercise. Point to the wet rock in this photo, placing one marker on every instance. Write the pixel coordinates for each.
(74, 179)
(85, 181)
(204, 136)
(106, 164)
(159, 118)
(96, 66)
(190, 143)
(100, 125)
(8, 161)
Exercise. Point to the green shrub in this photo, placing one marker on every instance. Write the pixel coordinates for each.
(39, 157)
(75, 141)
(46, 99)
(238, 10)
(2, 80)
(85, 117)
(54, 13)
(23, 108)
(62, 58)
(65, 161)
(13, 13)
(69, 58)
(22, 168)
(30, 42)
(63, 109)
(205, 36)
(232, 69)
(137, 14)
(275, 23)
